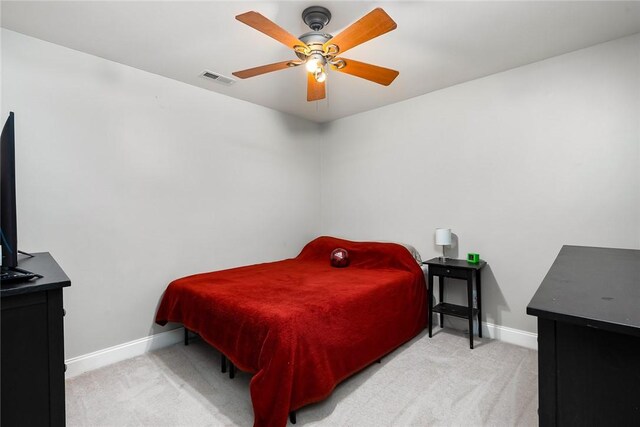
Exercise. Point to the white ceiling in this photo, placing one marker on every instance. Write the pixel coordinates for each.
(436, 44)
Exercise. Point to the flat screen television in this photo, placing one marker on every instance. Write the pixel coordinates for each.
(8, 218)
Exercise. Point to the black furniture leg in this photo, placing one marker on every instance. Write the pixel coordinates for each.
(430, 303)
(186, 336)
(470, 305)
(232, 370)
(292, 417)
(441, 298)
(223, 363)
(547, 369)
(479, 298)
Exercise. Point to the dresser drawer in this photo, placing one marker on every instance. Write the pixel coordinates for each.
(458, 273)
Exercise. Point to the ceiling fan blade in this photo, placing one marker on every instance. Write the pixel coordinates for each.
(315, 90)
(268, 27)
(372, 25)
(252, 72)
(374, 73)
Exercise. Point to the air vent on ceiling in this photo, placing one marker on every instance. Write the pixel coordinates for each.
(218, 78)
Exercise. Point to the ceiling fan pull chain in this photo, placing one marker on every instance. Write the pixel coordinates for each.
(326, 99)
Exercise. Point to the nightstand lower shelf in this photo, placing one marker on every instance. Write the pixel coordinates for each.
(454, 310)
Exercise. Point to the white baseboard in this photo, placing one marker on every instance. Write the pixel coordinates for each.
(510, 335)
(496, 332)
(117, 353)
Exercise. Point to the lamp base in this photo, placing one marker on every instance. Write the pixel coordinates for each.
(443, 258)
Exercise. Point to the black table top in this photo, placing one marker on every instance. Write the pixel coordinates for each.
(458, 263)
(44, 264)
(597, 287)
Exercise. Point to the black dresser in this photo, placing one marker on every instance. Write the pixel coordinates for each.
(32, 347)
(588, 309)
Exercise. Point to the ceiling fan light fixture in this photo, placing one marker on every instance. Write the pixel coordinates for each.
(314, 62)
(320, 75)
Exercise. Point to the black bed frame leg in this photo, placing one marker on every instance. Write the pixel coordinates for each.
(223, 363)
(379, 360)
(292, 417)
(232, 370)
(186, 336)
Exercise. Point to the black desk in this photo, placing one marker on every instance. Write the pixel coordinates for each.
(32, 350)
(457, 269)
(588, 309)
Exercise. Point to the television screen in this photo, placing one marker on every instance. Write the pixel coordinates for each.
(8, 196)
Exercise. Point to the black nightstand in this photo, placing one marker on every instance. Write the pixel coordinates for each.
(456, 269)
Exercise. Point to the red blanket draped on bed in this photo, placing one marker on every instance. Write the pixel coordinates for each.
(301, 325)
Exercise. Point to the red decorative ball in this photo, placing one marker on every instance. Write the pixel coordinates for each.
(339, 258)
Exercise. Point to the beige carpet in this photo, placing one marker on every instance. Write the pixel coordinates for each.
(426, 382)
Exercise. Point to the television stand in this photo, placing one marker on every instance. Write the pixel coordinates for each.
(32, 351)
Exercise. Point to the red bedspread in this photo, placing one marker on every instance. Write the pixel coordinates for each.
(301, 325)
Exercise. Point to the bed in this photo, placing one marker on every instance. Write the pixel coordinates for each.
(300, 325)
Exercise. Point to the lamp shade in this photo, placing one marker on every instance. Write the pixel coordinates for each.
(443, 236)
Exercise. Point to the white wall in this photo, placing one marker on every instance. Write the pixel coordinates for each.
(131, 180)
(517, 164)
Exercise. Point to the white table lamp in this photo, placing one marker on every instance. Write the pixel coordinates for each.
(443, 238)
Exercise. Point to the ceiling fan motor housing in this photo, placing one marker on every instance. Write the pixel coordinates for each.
(316, 17)
(314, 40)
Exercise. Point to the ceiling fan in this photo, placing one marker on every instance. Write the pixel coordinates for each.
(319, 51)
